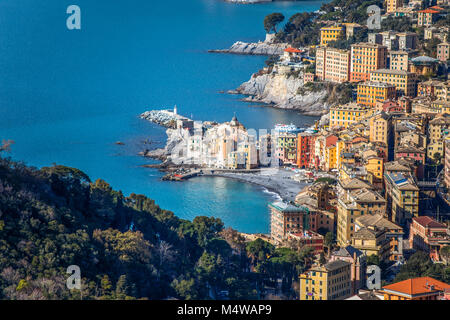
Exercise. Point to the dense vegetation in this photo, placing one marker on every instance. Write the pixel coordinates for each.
(126, 247)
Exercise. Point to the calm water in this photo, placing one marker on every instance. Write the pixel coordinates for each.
(67, 96)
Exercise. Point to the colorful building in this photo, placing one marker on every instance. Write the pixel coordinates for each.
(352, 205)
(348, 114)
(331, 281)
(402, 195)
(443, 51)
(332, 33)
(404, 82)
(427, 17)
(366, 57)
(370, 92)
(287, 219)
(398, 60)
(426, 234)
(332, 64)
(393, 5)
(358, 265)
(305, 149)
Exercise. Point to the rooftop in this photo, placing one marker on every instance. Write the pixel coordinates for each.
(416, 286)
(428, 222)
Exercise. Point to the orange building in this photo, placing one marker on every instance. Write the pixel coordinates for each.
(371, 92)
(366, 57)
(424, 288)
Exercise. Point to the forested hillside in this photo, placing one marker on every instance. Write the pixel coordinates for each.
(126, 247)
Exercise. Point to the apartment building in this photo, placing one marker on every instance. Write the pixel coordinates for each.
(371, 92)
(331, 281)
(348, 114)
(353, 205)
(332, 64)
(332, 33)
(404, 82)
(366, 57)
(402, 195)
(398, 60)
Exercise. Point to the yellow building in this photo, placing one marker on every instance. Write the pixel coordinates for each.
(393, 5)
(437, 129)
(404, 82)
(370, 92)
(371, 241)
(347, 114)
(375, 165)
(333, 33)
(380, 127)
(330, 157)
(331, 281)
(402, 194)
(352, 205)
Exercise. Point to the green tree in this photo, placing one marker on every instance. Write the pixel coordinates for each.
(271, 21)
(328, 242)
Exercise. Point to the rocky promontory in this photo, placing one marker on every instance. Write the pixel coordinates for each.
(282, 91)
(258, 48)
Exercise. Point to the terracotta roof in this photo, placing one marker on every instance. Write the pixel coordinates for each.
(429, 11)
(417, 286)
(436, 8)
(428, 222)
(293, 50)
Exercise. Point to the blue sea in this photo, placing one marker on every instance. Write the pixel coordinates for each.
(67, 96)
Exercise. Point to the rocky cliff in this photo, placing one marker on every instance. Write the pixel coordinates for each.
(281, 91)
(257, 48)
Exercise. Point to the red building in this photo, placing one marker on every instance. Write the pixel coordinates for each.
(305, 150)
(428, 235)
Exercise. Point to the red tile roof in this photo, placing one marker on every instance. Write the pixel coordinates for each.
(428, 222)
(436, 8)
(292, 50)
(429, 11)
(417, 286)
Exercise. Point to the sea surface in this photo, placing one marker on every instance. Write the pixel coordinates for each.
(67, 96)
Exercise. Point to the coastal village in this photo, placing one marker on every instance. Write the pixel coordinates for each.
(373, 174)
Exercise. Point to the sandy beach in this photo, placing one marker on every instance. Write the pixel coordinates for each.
(278, 181)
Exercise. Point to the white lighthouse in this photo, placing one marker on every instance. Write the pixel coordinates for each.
(175, 110)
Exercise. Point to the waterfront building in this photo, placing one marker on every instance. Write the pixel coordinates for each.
(287, 148)
(366, 57)
(370, 92)
(388, 249)
(443, 51)
(402, 195)
(331, 33)
(305, 149)
(398, 60)
(331, 281)
(423, 288)
(348, 114)
(332, 64)
(358, 262)
(287, 219)
(404, 82)
(427, 234)
(353, 205)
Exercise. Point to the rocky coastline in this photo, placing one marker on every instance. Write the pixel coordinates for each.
(282, 91)
(258, 48)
